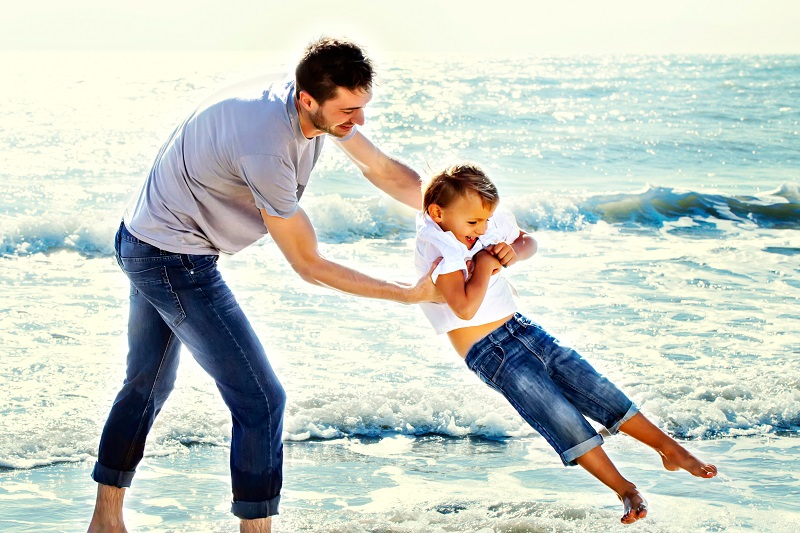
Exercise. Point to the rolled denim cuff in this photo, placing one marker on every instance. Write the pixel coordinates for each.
(569, 456)
(631, 412)
(114, 478)
(253, 510)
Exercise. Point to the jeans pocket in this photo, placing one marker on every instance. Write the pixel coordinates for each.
(490, 365)
(154, 284)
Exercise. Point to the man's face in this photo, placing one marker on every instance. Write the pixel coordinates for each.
(466, 217)
(338, 115)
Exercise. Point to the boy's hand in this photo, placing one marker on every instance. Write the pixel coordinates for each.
(486, 260)
(504, 253)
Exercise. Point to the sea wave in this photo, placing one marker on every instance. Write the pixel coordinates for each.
(704, 413)
(343, 219)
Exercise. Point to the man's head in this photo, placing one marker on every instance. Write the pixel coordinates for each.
(329, 63)
(334, 83)
(461, 199)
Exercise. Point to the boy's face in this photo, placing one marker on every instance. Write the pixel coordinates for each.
(466, 217)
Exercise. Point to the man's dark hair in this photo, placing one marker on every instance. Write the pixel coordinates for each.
(329, 63)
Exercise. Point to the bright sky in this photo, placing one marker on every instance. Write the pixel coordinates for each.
(493, 27)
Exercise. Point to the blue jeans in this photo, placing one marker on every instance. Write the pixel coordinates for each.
(178, 299)
(550, 385)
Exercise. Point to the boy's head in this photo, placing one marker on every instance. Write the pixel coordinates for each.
(461, 199)
(329, 63)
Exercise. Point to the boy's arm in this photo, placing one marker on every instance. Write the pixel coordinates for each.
(465, 297)
(522, 248)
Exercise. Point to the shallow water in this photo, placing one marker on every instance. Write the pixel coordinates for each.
(668, 255)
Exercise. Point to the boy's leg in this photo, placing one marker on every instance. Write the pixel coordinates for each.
(598, 398)
(512, 366)
(597, 463)
(673, 455)
(592, 394)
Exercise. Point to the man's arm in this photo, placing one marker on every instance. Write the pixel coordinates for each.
(297, 240)
(388, 174)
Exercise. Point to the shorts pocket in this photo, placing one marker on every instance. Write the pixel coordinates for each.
(489, 367)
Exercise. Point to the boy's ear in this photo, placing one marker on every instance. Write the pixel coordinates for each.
(435, 212)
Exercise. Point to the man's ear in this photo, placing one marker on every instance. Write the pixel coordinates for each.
(435, 212)
(307, 102)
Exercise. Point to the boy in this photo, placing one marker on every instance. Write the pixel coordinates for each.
(550, 385)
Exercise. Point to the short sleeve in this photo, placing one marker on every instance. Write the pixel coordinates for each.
(452, 261)
(432, 243)
(273, 183)
(506, 226)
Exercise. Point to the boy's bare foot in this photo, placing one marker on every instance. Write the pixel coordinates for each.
(673, 455)
(677, 457)
(635, 507)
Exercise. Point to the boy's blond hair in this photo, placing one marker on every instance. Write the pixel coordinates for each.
(454, 182)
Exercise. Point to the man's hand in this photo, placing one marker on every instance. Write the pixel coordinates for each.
(425, 290)
(504, 253)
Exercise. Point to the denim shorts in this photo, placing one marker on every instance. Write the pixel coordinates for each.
(551, 386)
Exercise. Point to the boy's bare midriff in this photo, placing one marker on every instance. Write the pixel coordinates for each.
(465, 338)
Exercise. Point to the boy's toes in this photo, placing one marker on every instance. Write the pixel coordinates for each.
(635, 509)
(709, 470)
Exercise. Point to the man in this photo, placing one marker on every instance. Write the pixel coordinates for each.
(231, 172)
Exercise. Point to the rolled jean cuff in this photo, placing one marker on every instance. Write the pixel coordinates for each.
(630, 414)
(569, 456)
(114, 478)
(253, 510)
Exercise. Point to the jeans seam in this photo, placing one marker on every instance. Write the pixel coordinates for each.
(181, 313)
(249, 367)
(533, 422)
(522, 339)
(150, 397)
(595, 400)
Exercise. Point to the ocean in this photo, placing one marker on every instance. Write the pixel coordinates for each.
(663, 192)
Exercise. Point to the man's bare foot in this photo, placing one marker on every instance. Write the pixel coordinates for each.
(635, 507)
(677, 457)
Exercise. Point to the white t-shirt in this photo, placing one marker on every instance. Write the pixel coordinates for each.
(432, 243)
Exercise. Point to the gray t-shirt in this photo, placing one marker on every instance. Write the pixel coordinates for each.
(242, 150)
